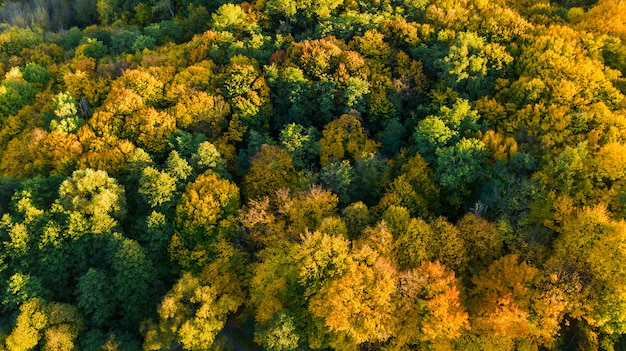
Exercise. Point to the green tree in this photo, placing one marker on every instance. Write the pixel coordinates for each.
(35, 73)
(472, 65)
(133, 281)
(94, 296)
(302, 13)
(301, 144)
(157, 187)
(459, 167)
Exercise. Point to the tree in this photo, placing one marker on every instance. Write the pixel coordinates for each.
(413, 189)
(270, 169)
(150, 129)
(359, 303)
(157, 187)
(429, 307)
(205, 213)
(321, 257)
(231, 18)
(357, 217)
(195, 310)
(281, 335)
(35, 73)
(274, 281)
(344, 138)
(66, 113)
(96, 195)
(94, 295)
(508, 304)
(591, 237)
(301, 12)
(201, 112)
(471, 66)
(459, 167)
(52, 326)
(133, 280)
(482, 240)
(301, 144)
(208, 157)
(337, 176)
(143, 83)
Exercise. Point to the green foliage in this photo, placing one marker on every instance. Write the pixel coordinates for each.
(300, 143)
(415, 175)
(460, 166)
(471, 66)
(34, 73)
(93, 48)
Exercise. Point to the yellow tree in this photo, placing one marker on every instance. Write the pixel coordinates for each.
(150, 129)
(196, 309)
(508, 305)
(358, 306)
(270, 169)
(591, 237)
(205, 212)
(51, 326)
(429, 307)
(345, 138)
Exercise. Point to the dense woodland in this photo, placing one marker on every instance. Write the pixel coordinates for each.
(319, 174)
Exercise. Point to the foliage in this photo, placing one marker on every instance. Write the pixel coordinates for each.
(312, 175)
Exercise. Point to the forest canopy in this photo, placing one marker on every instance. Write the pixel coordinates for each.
(312, 175)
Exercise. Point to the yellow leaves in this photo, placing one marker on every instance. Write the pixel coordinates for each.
(611, 161)
(378, 238)
(271, 286)
(201, 111)
(513, 299)
(606, 17)
(192, 313)
(314, 57)
(123, 101)
(429, 307)
(359, 303)
(306, 209)
(206, 200)
(150, 129)
(500, 147)
(321, 257)
(81, 84)
(143, 83)
(19, 238)
(204, 213)
(344, 138)
(59, 324)
(59, 338)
